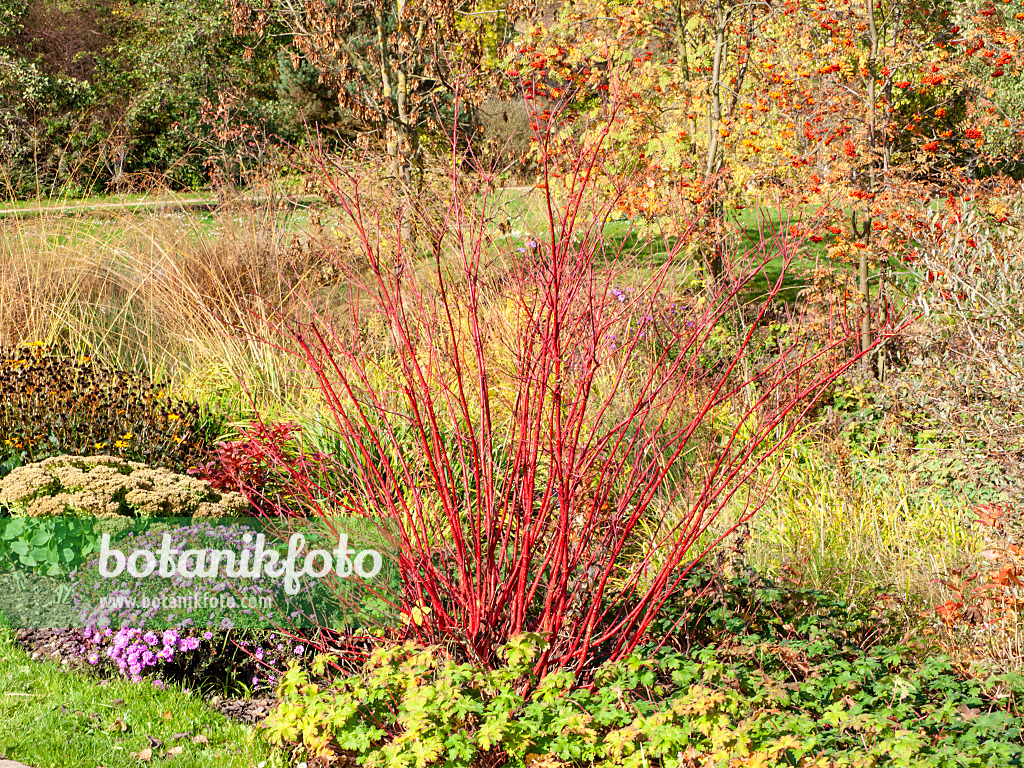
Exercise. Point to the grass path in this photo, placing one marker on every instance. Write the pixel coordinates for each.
(169, 202)
(52, 718)
(141, 205)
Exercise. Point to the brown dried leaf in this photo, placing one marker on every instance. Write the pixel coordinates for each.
(967, 713)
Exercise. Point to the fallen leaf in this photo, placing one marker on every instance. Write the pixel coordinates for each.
(176, 736)
(155, 743)
(950, 610)
(145, 755)
(118, 725)
(1005, 576)
(967, 713)
(991, 554)
(974, 615)
(175, 750)
(988, 515)
(200, 739)
(166, 715)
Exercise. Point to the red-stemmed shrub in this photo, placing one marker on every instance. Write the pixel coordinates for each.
(543, 428)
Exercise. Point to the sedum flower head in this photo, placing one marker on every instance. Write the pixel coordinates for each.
(105, 486)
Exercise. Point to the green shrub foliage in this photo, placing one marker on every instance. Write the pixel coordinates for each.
(763, 676)
(50, 545)
(97, 96)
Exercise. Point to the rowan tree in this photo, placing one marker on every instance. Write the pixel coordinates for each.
(669, 74)
(859, 109)
(891, 103)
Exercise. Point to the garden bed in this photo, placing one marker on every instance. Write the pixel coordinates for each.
(66, 648)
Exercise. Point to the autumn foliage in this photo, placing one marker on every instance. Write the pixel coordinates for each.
(857, 110)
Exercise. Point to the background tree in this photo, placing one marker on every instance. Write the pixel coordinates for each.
(96, 94)
(855, 109)
(896, 114)
(391, 62)
(47, 57)
(675, 75)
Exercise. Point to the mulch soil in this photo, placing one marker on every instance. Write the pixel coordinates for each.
(64, 647)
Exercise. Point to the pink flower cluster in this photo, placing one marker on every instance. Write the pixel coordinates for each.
(135, 650)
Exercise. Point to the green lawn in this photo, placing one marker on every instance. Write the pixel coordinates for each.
(59, 201)
(52, 718)
(624, 234)
(49, 206)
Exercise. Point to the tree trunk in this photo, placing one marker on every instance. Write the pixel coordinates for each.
(713, 168)
(684, 63)
(872, 96)
(715, 91)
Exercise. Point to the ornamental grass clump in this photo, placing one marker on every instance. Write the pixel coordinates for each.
(539, 460)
